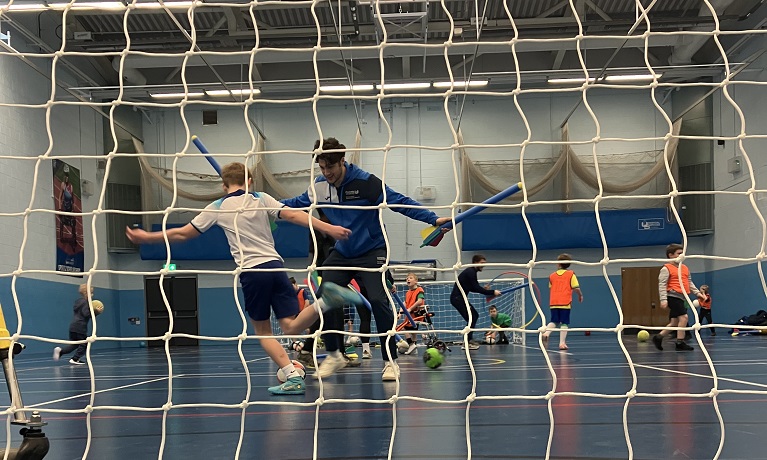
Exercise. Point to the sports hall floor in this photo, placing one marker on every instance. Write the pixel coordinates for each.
(586, 427)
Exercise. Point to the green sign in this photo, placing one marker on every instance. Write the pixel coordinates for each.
(170, 267)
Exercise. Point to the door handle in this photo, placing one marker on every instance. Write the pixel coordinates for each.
(652, 305)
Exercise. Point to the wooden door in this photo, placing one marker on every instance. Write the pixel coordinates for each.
(639, 294)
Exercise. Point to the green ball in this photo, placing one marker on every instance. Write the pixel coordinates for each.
(643, 335)
(433, 358)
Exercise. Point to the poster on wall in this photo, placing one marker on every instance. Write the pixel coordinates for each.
(69, 229)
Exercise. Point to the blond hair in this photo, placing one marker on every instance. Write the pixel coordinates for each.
(234, 174)
(83, 290)
(413, 275)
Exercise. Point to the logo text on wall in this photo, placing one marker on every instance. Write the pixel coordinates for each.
(656, 223)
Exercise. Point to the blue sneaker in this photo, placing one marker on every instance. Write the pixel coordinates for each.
(336, 296)
(293, 386)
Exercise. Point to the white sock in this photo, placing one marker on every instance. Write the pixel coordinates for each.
(320, 305)
(563, 334)
(335, 354)
(366, 347)
(290, 371)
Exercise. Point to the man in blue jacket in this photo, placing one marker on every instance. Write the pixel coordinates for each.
(345, 184)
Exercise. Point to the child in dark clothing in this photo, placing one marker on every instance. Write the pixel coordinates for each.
(78, 328)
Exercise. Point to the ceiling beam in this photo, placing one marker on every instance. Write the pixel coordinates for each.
(346, 66)
(217, 26)
(455, 68)
(553, 9)
(400, 50)
(405, 67)
(594, 7)
(235, 22)
(256, 72)
(172, 74)
(559, 55)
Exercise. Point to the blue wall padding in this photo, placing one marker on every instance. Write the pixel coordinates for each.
(290, 240)
(623, 228)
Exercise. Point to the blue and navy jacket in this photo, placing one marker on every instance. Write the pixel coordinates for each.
(359, 188)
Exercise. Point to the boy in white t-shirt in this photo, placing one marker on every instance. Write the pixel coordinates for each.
(249, 216)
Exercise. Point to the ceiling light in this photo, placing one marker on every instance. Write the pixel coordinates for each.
(168, 4)
(642, 77)
(460, 83)
(17, 6)
(175, 95)
(99, 5)
(611, 78)
(413, 85)
(558, 81)
(343, 88)
(234, 92)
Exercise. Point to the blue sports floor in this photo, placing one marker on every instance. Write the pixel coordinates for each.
(586, 427)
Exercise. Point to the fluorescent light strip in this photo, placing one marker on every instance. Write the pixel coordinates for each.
(99, 5)
(343, 88)
(460, 83)
(168, 4)
(175, 95)
(645, 77)
(413, 85)
(611, 78)
(17, 6)
(234, 92)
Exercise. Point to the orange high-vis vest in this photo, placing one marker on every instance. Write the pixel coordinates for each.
(411, 296)
(561, 290)
(705, 303)
(301, 299)
(673, 278)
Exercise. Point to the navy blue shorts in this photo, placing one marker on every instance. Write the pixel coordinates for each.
(263, 290)
(560, 315)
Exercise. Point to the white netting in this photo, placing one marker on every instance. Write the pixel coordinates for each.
(446, 318)
(32, 141)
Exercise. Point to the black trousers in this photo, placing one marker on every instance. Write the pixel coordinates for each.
(459, 304)
(80, 348)
(705, 313)
(376, 295)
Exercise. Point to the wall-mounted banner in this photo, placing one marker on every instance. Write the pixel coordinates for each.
(69, 229)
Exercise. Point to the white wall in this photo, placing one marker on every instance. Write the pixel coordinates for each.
(24, 131)
(738, 228)
(625, 114)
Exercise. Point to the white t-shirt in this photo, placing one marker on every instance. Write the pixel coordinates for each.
(256, 244)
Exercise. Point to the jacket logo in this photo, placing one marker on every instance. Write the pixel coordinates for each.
(351, 193)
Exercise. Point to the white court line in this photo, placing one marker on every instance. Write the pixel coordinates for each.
(742, 382)
(101, 391)
(547, 350)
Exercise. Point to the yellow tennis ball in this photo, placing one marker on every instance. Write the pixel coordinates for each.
(643, 336)
(98, 307)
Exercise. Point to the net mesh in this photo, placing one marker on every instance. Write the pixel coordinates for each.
(32, 211)
(447, 323)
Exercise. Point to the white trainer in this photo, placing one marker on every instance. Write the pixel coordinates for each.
(332, 363)
(390, 372)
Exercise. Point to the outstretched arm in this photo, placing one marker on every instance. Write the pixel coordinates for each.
(175, 235)
(301, 218)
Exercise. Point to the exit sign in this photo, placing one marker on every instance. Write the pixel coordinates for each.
(170, 267)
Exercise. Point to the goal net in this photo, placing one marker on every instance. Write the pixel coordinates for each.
(593, 105)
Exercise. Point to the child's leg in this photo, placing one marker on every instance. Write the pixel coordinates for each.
(682, 322)
(65, 350)
(272, 347)
(365, 326)
(672, 323)
(81, 348)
